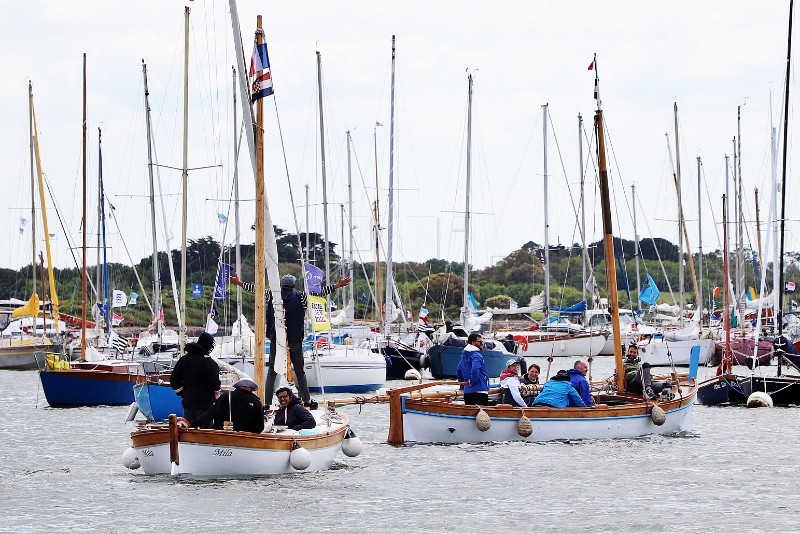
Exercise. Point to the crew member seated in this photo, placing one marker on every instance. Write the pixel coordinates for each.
(241, 406)
(559, 393)
(638, 378)
(292, 413)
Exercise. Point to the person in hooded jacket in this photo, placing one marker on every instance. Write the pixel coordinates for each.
(195, 377)
(509, 385)
(577, 377)
(241, 406)
(291, 412)
(295, 304)
(559, 393)
(472, 370)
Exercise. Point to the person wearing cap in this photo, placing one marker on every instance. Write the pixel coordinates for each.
(195, 377)
(509, 385)
(510, 344)
(291, 413)
(241, 406)
(295, 304)
(559, 393)
(577, 377)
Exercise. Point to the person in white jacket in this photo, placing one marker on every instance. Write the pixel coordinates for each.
(509, 385)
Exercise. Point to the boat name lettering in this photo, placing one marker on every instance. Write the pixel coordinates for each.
(223, 452)
(148, 453)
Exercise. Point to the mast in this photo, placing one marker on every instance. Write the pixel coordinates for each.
(261, 207)
(583, 210)
(83, 222)
(740, 222)
(390, 223)
(758, 236)
(736, 288)
(701, 298)
(324, 180)
(608, 241)
(681, 269)
(156, 274)
(33, 187)
(636, 250)
(377, 210)
(779, 316)
(342, 259)
(465, 313)
(773, 217)
(185, 192)
(546, 223)
(350, 218)
(108, 313)
(307, 230)
(725, 366)
(236, 199)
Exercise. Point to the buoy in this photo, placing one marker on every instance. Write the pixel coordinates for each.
(412, 374)
(424, 361)
(351, 446)
(759, 399)
(132, 412)
(299, 458)
(524, 426)
(482, 421)
(658, 416)
(130, 459)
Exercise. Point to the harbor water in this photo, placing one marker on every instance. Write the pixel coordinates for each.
(736, 470)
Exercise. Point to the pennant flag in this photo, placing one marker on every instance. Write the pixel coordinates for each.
(790, 287)
(314, 276)
(222, 217)
(751, 293)
(513, 305)
(260, 59)
(211, 325)
(378, 124)
(197, 291)
(423, 312)
(132, 300)
(221, 287)
(472, 301)
(116, 320)
(591, 65)
(650, 291)
(30, 309)
(262, 86)
(319, 316)
(733, 318)
(119, 299)
(716, 291)
(364, 298)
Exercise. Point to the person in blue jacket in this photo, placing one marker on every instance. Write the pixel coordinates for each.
(472, 370)
(559, 393)
(577, 377)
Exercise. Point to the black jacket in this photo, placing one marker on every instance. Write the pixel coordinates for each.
(195, 378)
(295, 416)
(246, 412)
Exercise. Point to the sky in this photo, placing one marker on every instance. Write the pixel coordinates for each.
(709, 58)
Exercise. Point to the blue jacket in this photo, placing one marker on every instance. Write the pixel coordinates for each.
(472, 367)
(559, 394)
(581, 385)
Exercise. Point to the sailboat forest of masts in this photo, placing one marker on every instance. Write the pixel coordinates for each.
(617, 414)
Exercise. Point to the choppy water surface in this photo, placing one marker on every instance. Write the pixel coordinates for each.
(736, 470)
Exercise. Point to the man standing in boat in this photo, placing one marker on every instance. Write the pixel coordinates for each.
(472, 370)
(295, 304)
(195, 377)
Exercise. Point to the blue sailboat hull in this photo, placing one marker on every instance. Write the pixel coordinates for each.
(157, 402)
(73, 388)
(444, 361)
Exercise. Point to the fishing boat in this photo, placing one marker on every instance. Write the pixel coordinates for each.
(618, 413)
(177, 449)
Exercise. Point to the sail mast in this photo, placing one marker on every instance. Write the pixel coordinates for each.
(83, 222)
(185, 180)
(350, 214)
(32, 132)
(390, 223)
(324, 178)
(108, 305)
(260, 284)
(726, 315)
(700, 298)
(156, 274)
(545, 108)
(636, 246)
(681, 269)
(779, 316)
(465, 313)
(236, 199)
(583, 208)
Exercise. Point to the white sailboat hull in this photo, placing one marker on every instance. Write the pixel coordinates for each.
(566, 346)
(154, 459)
(344, 368)
(657, 352)
(436, 428)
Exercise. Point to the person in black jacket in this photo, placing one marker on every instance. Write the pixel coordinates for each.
(291, 413)
(195, 377)
(295, 304)
(241, 406)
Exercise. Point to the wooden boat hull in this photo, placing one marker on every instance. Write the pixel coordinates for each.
(721, 390)
(436, 421)
(23, 356)
(657, 352)
(79, 387)
(157, 401)
(741, 349)
(176, 450)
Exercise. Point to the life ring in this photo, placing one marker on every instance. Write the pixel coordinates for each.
(322, 343)
(523, 341)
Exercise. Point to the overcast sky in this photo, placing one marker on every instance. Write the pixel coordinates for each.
(709, 57)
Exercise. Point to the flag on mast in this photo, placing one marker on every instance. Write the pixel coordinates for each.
(262, 84)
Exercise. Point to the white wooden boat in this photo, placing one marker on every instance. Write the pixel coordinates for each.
(659, 351)
(344, 368)
(540, 344)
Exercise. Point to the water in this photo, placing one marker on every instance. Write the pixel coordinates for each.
(736, 470)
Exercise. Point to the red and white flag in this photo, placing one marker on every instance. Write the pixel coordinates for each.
(116, 320)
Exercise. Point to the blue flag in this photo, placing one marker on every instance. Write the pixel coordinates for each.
(221, 287)
(314, 276)
(363, 297)
(197, 291)
(472, 301)
(650, 292)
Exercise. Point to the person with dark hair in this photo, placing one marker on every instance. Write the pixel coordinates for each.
(195, 377)
(577, 377)
(241, 406)
(295, 304)
(472, 370)
(559, 393)
(510, 344)
(291, 413)
(638, 378)
(531, 378)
